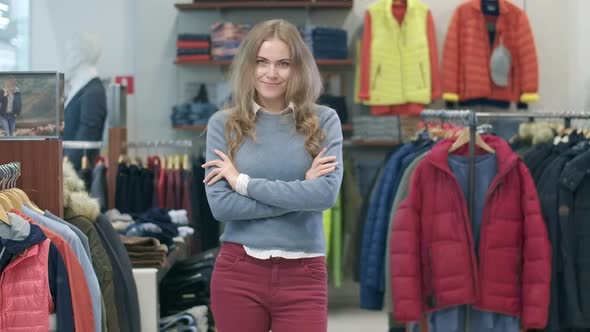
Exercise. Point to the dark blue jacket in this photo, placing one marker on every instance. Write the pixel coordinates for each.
(573, 211)
(375, 233)
(84, 120)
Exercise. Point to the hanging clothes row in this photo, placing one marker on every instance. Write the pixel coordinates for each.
(92, 170)
(157, 181)
(489, 57)
(497, 200)
(51, 265)
(560, 168)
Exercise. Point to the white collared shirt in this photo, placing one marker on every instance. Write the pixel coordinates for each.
(242, 189)
(256, 108)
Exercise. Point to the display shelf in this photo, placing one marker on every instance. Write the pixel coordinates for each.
(320, 62)
(262, 4)
(191, 127)
(345, 127)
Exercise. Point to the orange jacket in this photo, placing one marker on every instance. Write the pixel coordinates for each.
(467, 51)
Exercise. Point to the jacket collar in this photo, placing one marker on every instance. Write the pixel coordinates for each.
(34, 237)
(574, 171)
(389, 13)
(504, 6)
(83, 75)
(439, 155)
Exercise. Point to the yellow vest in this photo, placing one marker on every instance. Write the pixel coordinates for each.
(400, 59)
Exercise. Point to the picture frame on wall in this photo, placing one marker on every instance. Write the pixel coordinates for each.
(31, 105)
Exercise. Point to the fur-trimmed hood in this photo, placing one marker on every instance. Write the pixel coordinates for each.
(77, 202)
(536, 132)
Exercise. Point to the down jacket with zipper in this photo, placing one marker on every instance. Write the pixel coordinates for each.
(467, 51)
(433, 260)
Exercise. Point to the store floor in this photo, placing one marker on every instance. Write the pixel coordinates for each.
(344, 314)
(347, 319)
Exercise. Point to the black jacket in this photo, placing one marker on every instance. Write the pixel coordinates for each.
(206, 234)
(125, 288)
(535, 157)
(574, 209)
(17, 104)
(548, 188)
(84, 119)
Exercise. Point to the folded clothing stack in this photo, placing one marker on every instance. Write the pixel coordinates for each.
(179, 217)
(145, 252)
(188, 114)
(226, 38)
(155, 223)
(326, 43)
(193, 319)
(338, 103)
(188, 284)
(376, 128)
(193, 47)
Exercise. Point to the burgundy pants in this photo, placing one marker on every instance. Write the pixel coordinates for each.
(257, 295)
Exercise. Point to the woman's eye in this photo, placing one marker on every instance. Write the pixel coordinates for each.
(284, 64)
(260, 62)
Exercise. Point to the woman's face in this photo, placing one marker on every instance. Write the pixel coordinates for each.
(273, 70)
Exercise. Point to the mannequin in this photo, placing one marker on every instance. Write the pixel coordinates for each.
(85, 107)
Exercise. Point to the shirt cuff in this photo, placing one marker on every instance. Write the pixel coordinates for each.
(242, 184)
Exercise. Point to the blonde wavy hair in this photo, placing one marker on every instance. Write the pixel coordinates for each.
(303, 88)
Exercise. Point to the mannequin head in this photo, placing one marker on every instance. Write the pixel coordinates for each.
(82, 51)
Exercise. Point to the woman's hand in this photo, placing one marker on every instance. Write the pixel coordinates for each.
(321, 166)
(225, 169)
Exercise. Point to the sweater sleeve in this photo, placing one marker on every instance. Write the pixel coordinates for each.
(451, 61)
(527, 59)
(225, 203)
(306, 195)
(433, 51)
(365, 64)
(60, 290)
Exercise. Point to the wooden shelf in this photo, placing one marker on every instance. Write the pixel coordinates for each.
(191, 128)
(262, 4)
(320, 62)
(345, 127)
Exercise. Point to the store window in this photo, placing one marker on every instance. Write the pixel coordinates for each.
(15, 22)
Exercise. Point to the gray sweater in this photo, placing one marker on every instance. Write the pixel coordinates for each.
(282, 210)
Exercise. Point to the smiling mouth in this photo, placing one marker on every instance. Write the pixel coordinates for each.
(272, 84)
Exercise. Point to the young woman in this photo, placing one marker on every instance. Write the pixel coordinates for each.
(274, 163)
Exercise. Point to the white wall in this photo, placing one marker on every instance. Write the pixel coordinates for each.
(139, 36)
(111, 21)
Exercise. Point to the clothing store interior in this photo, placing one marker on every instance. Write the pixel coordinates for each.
(463, 147)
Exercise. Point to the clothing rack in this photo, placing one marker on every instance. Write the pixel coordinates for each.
(464, 118)
(83, 145)
(9, 173)
(566, 116)
(470, 119)
(158, 144)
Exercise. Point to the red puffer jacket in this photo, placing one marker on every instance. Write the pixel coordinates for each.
(433, 261)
